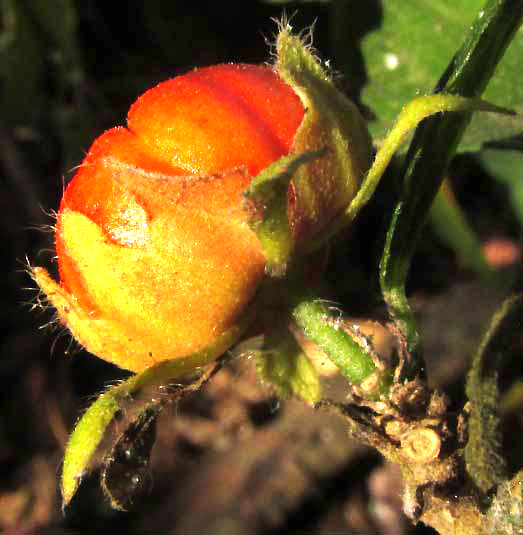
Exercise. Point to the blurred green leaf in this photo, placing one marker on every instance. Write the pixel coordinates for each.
(512, 399)
(296, 1)
(34, 33)
(414, 45)
(506, 166)
(449, 223)
(58, 20)
(21, 63)
(56, 25)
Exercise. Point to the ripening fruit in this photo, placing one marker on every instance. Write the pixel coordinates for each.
(156, 256)
(154, 250)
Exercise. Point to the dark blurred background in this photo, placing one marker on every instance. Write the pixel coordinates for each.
(232, 459)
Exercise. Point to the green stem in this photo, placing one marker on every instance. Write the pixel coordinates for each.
(430, 151)
(321, 326)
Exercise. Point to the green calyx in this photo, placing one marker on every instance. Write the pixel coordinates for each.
(324, 187)
(267, 204)
(294, 200)
(283, 365)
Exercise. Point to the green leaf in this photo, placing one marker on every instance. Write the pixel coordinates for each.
(414, 45)
(484, 461)
(284, 365)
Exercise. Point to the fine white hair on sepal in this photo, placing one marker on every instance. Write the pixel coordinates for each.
(306, 36)
(41, 305)
(283, 24)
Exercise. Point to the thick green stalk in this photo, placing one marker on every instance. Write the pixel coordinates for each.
(316, 318)
(430, 151)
